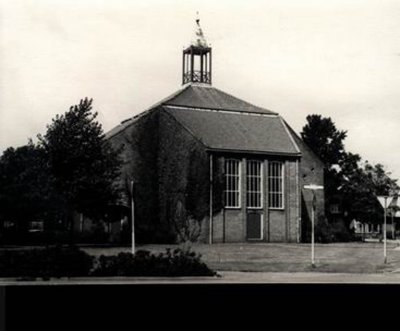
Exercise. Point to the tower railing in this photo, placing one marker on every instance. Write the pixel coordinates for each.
(197, 76)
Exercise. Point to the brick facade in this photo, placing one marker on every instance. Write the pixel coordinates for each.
(171, 169)
(311, 172)
(229, 225)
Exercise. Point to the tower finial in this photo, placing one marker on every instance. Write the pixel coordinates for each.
(197, 59)
(200, 40)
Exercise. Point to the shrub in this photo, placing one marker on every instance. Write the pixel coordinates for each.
(177, 262)
(188, 230)
(48, 262)
(332, 232)
(70, 261)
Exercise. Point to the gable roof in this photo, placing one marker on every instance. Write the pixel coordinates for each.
(240, 132)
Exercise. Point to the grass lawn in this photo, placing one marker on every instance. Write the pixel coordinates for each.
(271, 257)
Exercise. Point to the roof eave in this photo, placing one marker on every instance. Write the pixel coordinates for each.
(240, 111)
(239, 151)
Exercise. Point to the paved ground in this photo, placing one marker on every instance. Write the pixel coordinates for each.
(356, 258)
(229, 277)
(268, 263)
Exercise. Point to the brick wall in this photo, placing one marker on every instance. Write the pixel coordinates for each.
(311, 171)
(279, 225)
(139, 143)
(171, 169)
(183, 177)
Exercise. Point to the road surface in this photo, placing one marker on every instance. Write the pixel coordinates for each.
(229, 277)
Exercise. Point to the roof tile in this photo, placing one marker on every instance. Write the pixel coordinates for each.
(235, 132)
(197, 96)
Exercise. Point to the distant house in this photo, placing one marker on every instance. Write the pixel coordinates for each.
(366, 230)
(210, 167)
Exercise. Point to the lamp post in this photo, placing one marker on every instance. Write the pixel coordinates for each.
(313, 188)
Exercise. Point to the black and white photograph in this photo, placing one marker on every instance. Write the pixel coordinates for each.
(199, 142)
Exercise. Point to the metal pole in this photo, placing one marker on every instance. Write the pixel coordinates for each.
(393, 227)
(210, 67)
(312, 233)
(133, 219)
(211, 201)
(201, 67)
(183, 67)
(191, 65)
(384, 235)
(313, 188)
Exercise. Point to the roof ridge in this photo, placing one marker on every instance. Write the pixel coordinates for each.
(130, 120)
(166, 99)
(199, 96)
(294, 134)
(222, 110)
(289, 134)
(253, 105)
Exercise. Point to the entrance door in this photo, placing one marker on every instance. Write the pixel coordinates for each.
(254, 226)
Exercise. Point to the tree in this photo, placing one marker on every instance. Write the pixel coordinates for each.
(357, 184)
(327, 142)
(81, 161)
(380, 178)
(26, 188)
(360, 189)
(324, 139)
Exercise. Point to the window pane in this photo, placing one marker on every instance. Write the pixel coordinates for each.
(253, 182)
(232, 183)
(275, 184)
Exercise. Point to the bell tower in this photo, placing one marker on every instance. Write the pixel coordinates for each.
(197, 60)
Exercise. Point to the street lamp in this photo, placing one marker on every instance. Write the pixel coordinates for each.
(313, 188)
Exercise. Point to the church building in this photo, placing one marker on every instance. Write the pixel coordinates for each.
(209, 167)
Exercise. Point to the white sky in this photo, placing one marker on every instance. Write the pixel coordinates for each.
(337, 58)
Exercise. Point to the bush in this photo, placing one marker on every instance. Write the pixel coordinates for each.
(332, 232)
(72, 262)
(188, 230)
(177, 262)
(49, 262)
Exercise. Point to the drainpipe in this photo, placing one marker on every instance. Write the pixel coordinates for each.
(211, 200)
(298, 216)
(133, 218)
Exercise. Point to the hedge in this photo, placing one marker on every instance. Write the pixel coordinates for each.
(49, 262)
(177, 262)
(70, 261)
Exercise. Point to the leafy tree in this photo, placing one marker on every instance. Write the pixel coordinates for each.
(360, 189)
(324, 139)
(380, 178)
(357, 184)
(81, 161)
(26, 187)
(327, 142)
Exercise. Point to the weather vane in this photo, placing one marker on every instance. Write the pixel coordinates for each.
(200, 39)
